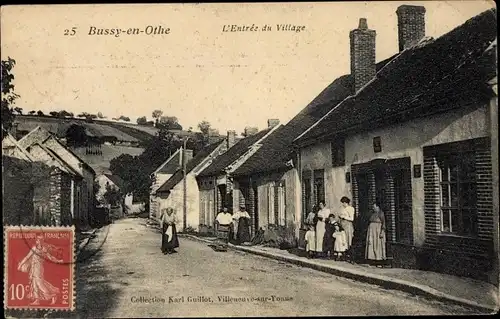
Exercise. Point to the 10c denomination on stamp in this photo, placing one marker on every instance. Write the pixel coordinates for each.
(39, 267)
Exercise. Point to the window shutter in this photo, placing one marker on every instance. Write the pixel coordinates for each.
(283, 204)
(276, 203)
(270, 201)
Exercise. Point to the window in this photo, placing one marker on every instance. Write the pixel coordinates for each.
(319, 186)
(270, 201)
(458, 193)
(338, 152)
(306, 194)
(279, 200)
(277, 204)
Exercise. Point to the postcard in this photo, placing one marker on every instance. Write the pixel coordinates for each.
(250, 159)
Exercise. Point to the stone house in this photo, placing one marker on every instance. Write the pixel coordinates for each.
(82, 190)
(415, 135)
(17, 185)
(217, 186)
(161, 175)
(171, 192)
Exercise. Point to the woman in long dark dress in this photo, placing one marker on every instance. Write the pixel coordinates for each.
(169, 240)
(242, 219)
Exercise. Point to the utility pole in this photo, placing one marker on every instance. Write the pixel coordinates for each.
(184, 211)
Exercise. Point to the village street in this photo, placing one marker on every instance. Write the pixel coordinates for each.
(127, 265)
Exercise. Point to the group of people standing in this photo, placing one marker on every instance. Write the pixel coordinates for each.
(328, 236)
(331, 235)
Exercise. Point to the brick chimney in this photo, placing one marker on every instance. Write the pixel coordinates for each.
(231, 139)
(272, 123)
(362, 54)
(411, 25)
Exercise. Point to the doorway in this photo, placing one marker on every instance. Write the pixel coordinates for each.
(362, 218)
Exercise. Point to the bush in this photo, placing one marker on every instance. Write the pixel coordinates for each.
(282, 237)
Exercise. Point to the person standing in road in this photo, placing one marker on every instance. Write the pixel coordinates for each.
(346, 219)
(169, 240)
(224, 227)
(323, 214)
(375, 236)
(242, 219)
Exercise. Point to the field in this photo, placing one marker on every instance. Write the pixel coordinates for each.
(100, 163)
(59, 126)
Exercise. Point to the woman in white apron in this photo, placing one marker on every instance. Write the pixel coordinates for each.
(323, 214)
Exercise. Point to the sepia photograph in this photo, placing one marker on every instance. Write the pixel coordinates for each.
(250, 159)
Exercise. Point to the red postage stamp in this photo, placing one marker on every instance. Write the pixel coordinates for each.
(39, 267)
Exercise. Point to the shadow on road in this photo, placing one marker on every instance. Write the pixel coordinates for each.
(97, 293)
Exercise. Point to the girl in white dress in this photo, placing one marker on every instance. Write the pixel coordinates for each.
(310, 239)
(340, 245)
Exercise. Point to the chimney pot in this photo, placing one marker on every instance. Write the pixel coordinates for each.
(363, 25)
(251, 131)
(411, 25)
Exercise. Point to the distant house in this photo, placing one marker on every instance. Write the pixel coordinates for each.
(104, 180)
(82, 190)
(217, 186)
(161, 175)
(417, 137)
(171, 193)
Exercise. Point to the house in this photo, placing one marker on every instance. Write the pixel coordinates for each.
(171, 193)
(217, 186)
(83, 192)
(273, 170)
(17, 197)
(416, 136)
(55, 201)
(104, 180)
(161, 175)
(44, 179)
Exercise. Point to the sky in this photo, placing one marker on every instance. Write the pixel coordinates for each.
(197, 72)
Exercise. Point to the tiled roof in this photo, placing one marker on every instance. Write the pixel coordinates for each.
(232, 154)
(63, 164)
(277, 149)
(116, 180)
(192, 164)
(171, 165)
(434, 76)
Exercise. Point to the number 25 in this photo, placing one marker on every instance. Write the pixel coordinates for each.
(70, 32)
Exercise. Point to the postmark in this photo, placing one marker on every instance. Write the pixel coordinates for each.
(39, 268)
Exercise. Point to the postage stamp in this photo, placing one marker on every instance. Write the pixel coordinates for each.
(39, 267)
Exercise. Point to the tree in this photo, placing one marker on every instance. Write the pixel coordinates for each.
(18, 110)
(142, 120)
(157, 114)
(112, 196)
(169, 123)
(9, 97)
(124, 118)
(54, 114)
(40, 113)
(99, 115)
(65, 113)
(32, 112)
(76, 136)
(204, 127)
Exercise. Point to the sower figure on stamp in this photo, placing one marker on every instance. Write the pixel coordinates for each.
(169, 240)
(40, 289)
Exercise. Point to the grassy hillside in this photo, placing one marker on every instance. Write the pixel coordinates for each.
(59, 126)
(100, 163)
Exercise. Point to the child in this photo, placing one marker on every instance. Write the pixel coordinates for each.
(310, 239)
(340, 245)
(328, 240)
